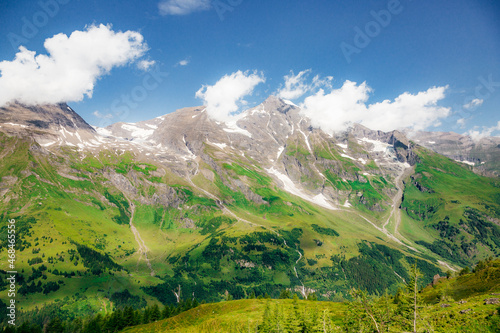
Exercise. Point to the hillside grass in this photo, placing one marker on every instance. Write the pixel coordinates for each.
(230, 317)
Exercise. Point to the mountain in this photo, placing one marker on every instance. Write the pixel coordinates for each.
(183, 206)
(48, 124)
(483, 154)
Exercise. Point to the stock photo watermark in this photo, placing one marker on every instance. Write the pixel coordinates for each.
(224, 6)
(482, 91)
(11, 273)
(31, 25)
(372, 29)
(122, 106)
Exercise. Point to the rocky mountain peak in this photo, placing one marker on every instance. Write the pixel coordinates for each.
(278, 104)
(43, 117)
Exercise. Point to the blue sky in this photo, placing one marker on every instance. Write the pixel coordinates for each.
(452, 44)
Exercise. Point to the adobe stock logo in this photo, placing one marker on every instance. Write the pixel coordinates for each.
(222, 7)
(31, 27)
(120, 108)
(363, 37)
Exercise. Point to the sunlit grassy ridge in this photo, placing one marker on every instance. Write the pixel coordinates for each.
(455, 304)
(234, 316)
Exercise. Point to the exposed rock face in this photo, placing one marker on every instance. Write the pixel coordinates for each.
(273, 136)
(44, 117)
(483, 155)
(492, 301)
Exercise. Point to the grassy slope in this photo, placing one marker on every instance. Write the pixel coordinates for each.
(230, 317)
(438, 197)
(244, 315)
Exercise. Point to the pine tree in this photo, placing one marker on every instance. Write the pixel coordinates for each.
(55, 325)
(114, 322)
(155, 314)
(326, 323)
(166, 313)
(292, 320)
(138, 317)
(94, 325)
(265, 327)
(385, 312)
(146, 316)
(413, 286)
(278, 319)
(28, 328)
(368, 307)
(9, 329)
(407, 306)
(128, 316)
(285, 294)
(312, 297)
(76, 326)
(195, 303)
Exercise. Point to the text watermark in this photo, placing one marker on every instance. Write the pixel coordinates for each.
(11, 273)
(373, 28)
(31, 26)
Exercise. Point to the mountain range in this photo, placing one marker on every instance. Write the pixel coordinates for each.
(183, 206)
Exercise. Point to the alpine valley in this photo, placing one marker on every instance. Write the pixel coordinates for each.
(182, 207)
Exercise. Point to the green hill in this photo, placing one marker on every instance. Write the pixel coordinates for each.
(457, 304)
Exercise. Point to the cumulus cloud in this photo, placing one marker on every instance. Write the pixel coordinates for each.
(182, 7)
(145, 65)
(338, 109)
(296, 85)
(225, 97)
(183, 62)
(474, 103)
(71, 68)
(478, 133)
(461, 122)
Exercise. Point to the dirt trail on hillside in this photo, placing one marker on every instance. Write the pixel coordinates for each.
(143, 249)
(395, 211)
(397, 200)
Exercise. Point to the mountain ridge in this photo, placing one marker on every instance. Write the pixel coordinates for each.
(183, 204)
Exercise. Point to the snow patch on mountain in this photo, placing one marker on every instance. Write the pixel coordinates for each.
(289, 186)
(307, 140)
(289, 102)
(18, 125)
(137, 132)
(279, 152)
(103, 131)
(378, 146)
(219, 145)
(347, 156)
(467, 162)
(231, 127)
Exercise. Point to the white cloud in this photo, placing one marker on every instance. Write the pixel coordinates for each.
(340, 108)
(182, 7)
(474, 103)
(99, 115)
(296, 85)
(477, 134)
(461, 122)
(184, 62)
(71, 68)
(145, 65)
(224, 97)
